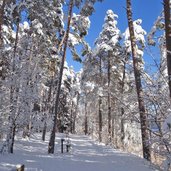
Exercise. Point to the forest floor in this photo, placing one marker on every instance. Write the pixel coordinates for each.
(85, 155)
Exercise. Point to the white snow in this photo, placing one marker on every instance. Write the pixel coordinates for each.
(139, 35)
(79, 22)
(38, 26)
(85, 155)
(110, 14)
(26, 25)
(73, 39)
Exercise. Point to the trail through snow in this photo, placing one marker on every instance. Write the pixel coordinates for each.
(86, 155)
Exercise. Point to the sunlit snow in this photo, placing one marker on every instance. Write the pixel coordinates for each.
(85, 155)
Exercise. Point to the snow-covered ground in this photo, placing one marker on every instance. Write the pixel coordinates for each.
(86, 155)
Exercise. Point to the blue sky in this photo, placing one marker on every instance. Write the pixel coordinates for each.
(147, 10)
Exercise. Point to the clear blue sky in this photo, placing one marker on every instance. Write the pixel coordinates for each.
(147, 10)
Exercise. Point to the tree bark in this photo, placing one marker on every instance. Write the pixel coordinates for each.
(113, 127)
(167, 14)
(44, 131)
(1, 21)
(44, 110)
(3, 62)
(122, 109)
(100, 119)
(76, 111)
(13, 138)
(72, 117)
(13, 100)
(100, 104)
(86, 120)
(52, 136)
(137, 74)
(109, 101)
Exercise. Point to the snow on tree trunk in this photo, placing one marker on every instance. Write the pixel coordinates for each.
(137, 74)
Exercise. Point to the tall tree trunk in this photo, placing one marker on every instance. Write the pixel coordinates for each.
(47, 109)
(52, 136)
(100, 103)
(1, 21)
(137, 74)
(3, 62)
(44, 130)
(44, 110)
(100, 119)
(113, 127)
(72, 117)
(14, 90)
(86, 120)
(75, 114)
(44, 126)
(167, 14)
(114, 123)
(122, 109)
(122, 127)
(13, 137)
(109, 101)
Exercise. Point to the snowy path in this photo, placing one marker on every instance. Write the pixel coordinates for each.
(86, 155)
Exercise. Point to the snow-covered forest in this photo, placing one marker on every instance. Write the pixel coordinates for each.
(116, 99)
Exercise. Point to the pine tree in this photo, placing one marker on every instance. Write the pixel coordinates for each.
(137, 74)
(108, 49)
(52, 137)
